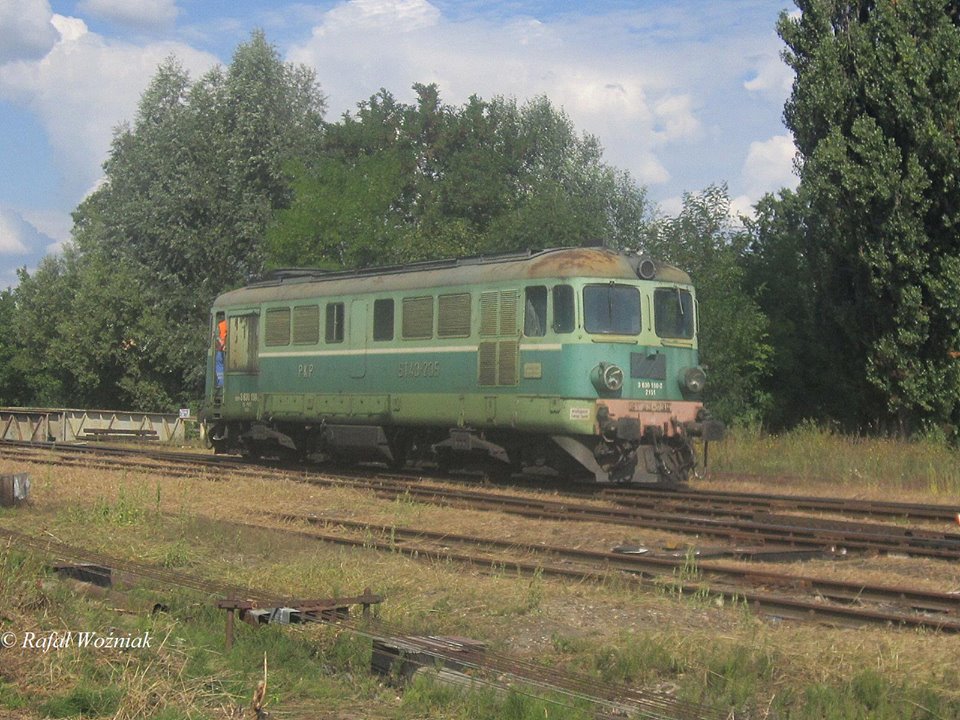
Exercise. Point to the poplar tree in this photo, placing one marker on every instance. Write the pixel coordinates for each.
(873, 113)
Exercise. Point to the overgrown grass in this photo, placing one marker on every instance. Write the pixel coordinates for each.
(684, 646)
(817, 455)
(427, 698)
(185, 673)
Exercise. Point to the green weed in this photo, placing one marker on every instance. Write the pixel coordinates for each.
(869, 695)
(636, 660)
(427, 697)
(818, 454)
(84, 700)
(123, 510)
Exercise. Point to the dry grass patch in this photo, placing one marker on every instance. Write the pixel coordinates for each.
(611, 630)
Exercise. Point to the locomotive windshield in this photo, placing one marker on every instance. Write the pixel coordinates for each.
(611, 309)
(673, 313)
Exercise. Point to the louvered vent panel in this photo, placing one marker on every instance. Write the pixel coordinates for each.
(278, 327)
(453, 318)
(306, 325)
(489, 307)
(509, 356)
(487, 364)
(418, 317)
(508, 313)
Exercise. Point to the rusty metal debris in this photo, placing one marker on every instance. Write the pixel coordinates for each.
(99, 575)
(14, 489)
(294, 611)
(401, 657)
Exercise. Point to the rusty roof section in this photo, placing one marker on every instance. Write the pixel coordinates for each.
(559, 263)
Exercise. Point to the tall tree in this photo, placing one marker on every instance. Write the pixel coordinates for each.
(14, 390)
(873, 113)
(394, 182)
(189, 187)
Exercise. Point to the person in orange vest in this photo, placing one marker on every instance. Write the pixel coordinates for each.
(221, 348)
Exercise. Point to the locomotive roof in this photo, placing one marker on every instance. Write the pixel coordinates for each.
(297, 283)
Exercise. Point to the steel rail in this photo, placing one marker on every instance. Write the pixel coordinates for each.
(792, 531)
(615, 699)
(764, 603)
(643, 497)
(658, 566)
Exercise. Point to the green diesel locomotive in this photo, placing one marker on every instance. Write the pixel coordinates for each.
(573, 359)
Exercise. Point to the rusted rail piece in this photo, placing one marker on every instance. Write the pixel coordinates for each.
(811, 503)
(294, 611)
(938, 611)
(800, 533)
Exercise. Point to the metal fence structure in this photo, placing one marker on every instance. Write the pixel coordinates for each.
(61, 425)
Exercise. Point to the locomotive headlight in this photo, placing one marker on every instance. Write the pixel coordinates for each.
(607, 377)
(693, 380)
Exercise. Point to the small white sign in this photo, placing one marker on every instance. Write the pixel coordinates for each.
(579, 413)
(184, 413)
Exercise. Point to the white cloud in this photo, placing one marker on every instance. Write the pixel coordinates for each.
(769, 165)
(25, 29)
(380, 16)
(770, 77)
(54, 227)
(11, 242)
(587, 66)
(742, 205)
(18, 237)
(671, 206)
(136, 14)
(83, 88)
(676, 119)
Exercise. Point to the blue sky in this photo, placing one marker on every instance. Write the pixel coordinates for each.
(681, 94)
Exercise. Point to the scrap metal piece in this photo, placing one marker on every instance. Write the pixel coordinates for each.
(14, 489)
(98, 575)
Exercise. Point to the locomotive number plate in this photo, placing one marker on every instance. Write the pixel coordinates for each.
(650, 407)
(650, 388)
(427, 368)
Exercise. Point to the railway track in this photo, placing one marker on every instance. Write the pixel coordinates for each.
(816, 598)
(492, 669)
(700, 500)
(748, 525)
(695, 499)
(851, 603)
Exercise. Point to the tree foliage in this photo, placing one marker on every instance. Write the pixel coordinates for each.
(215, 179)
(394, 182)
(189, 188)
(874, 116)
(733, 331)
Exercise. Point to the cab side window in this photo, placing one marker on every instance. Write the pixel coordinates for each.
(535, 311)
(564, 312)
(334, 326)
(383, 319)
